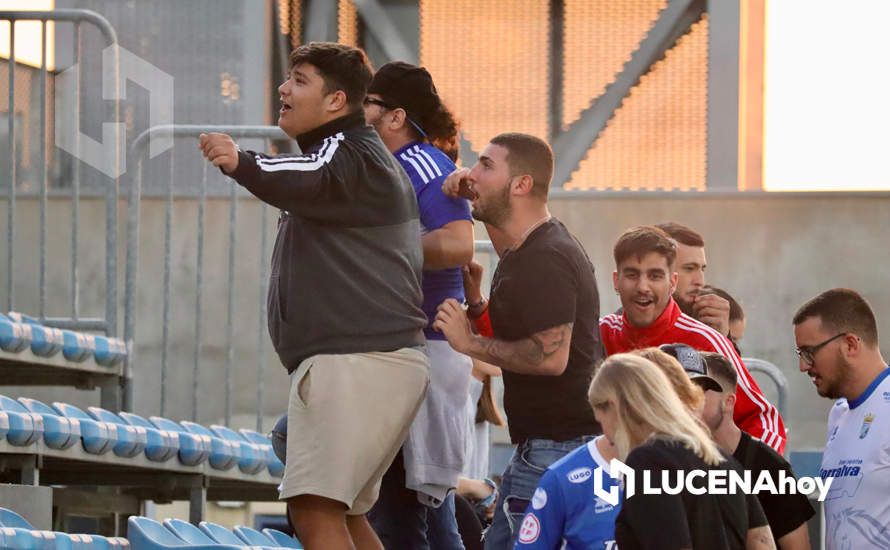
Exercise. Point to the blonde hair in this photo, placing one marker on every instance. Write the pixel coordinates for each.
(636, 388)
(689, 392)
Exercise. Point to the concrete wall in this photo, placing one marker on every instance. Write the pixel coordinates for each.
(771, 251)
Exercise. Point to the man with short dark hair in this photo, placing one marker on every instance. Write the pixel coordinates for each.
(837, 343)
(543, 313)
(645, 279)
(787, 514)
(709, 308)
(344, 293)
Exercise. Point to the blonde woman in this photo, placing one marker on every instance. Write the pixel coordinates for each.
(652, 429)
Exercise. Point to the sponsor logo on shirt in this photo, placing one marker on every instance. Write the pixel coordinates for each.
(579, 475)
(602, 507)
(841, 471)
(539, 500)
(866, 425)
(530, 529)
(833, 434)
(886, 396)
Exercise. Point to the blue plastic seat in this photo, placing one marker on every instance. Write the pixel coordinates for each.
(22, 318)
(14, 337)
(59, 432)
(147, 534)
(223, 454)
(24, 428)
(193, 448)
(109, 351)
(27, 539)
(253, 537)
(89, 542)
(283, 539)
(252, 459)
(77, 346)
(46, 341)
(223, 536)
(276, 467)
(97, 437)
(17, 533)
(188, 532)
(132, 439)
(160, 445)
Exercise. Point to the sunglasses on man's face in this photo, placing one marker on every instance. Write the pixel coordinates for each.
(379, 102)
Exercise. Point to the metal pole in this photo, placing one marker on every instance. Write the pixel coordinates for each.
(261, 340)
(43, 175)
(75, 203)
(199, 290)
(168, 230)
(10, 220)
(230, 323)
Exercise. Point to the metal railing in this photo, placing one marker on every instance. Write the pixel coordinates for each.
(107, 323)
(775, 374)
(136, 158)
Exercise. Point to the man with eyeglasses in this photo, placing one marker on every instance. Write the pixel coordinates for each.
(837, 343)
(416, 507)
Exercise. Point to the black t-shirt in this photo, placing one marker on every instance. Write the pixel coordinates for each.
(548, 281)
(787, 512)
(683, 520)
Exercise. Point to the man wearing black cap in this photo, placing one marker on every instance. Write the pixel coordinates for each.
(787, 514)
(416, 505)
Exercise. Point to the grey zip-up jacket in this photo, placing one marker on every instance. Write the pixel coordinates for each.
(346, 267)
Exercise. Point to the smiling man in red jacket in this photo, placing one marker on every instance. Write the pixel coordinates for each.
(645, 279)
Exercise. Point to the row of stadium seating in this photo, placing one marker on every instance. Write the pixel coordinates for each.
(16, 533)
(19, 332)
(142, 534)
(61, 426)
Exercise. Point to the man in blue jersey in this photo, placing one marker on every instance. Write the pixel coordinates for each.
(416, 505)
(564, 513)
(837, 342)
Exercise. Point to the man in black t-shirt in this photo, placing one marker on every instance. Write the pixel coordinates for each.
(787, 513)
(543, 319)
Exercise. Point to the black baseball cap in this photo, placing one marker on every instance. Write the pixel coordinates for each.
(693, 364)
(408, 86)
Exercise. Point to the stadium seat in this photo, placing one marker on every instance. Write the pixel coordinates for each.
(276, 467)
(59, 431)
(253, 537)
(98, 437)
(147, 534)
(160, 445)
(91, 542)
(14, 337)
(77, 346)
(109, 351)
(132, 439)
(193, 449)
(22, 318)
(223, 453)
(46, 341)
(220, 534)
(17, 533)
(24, 428)
(252, 459)
(283, 539)
(26, 539)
